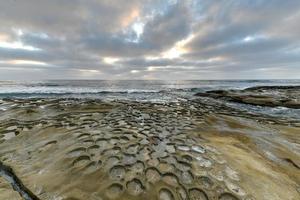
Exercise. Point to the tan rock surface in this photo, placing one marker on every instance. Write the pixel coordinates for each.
(82, 149)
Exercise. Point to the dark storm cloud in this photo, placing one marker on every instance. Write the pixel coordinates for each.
(192, 39)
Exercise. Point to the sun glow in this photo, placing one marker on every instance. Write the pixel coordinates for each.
(89, 70)
(4, 37)
(178, 49)
(17, 45)
(23, 62)
(110, 60)
(134, 71)
(126, 21)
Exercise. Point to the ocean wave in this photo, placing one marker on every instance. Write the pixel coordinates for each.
(75, 92)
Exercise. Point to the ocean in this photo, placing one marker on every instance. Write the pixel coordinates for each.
(147, 90)
(138, 90)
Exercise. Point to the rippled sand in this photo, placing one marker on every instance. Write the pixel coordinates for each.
(89, 149)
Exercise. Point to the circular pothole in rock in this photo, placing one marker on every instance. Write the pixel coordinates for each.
(124, 139)
(187, 158)
(135, 187)
(197, 194)
(103, 143)
(227, 196)
(91, 167)
(186, 177)
(138, 167)
(171, 148)
(93, 149)
(117, 172)
(76, 152)
(83, 136)
(153, 162)
(152, 175)
(132, 149)
(198, 149)
(114, 140)
(165, 167)
(50, 143)
(183, 166)
(170, 179)
(181, 192)
(114, 191)
(88, 142)
(165, 194)
(204, 162)
(205, 182)
(128, 159)
(111, 161)
(81, 161)
(111, 152)
(183, 148)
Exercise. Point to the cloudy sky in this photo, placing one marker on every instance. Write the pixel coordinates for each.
(149, 39)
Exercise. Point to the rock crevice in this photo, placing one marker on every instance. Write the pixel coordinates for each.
(8, 174)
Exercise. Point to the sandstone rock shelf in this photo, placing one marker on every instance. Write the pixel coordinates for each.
(271, 96)
(80, 149)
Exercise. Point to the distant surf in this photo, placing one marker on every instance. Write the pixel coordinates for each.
(101, 87)
(158, 91)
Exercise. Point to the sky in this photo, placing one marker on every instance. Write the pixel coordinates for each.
(149, 39)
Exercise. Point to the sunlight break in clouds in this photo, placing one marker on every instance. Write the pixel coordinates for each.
(17, 45)
(23, 62)
(178, 48)
(110, 60)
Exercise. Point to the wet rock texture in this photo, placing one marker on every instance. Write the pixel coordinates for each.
(89, 149)
(272, 96)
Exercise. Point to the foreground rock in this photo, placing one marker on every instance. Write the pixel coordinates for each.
(271, 96)
(8, 174)
(72, 149)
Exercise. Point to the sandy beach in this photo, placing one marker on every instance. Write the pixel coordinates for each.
(73, 149)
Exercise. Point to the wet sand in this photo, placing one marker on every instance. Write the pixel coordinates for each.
(75, 149)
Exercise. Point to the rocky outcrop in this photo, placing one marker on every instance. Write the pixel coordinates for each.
(271, 96)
